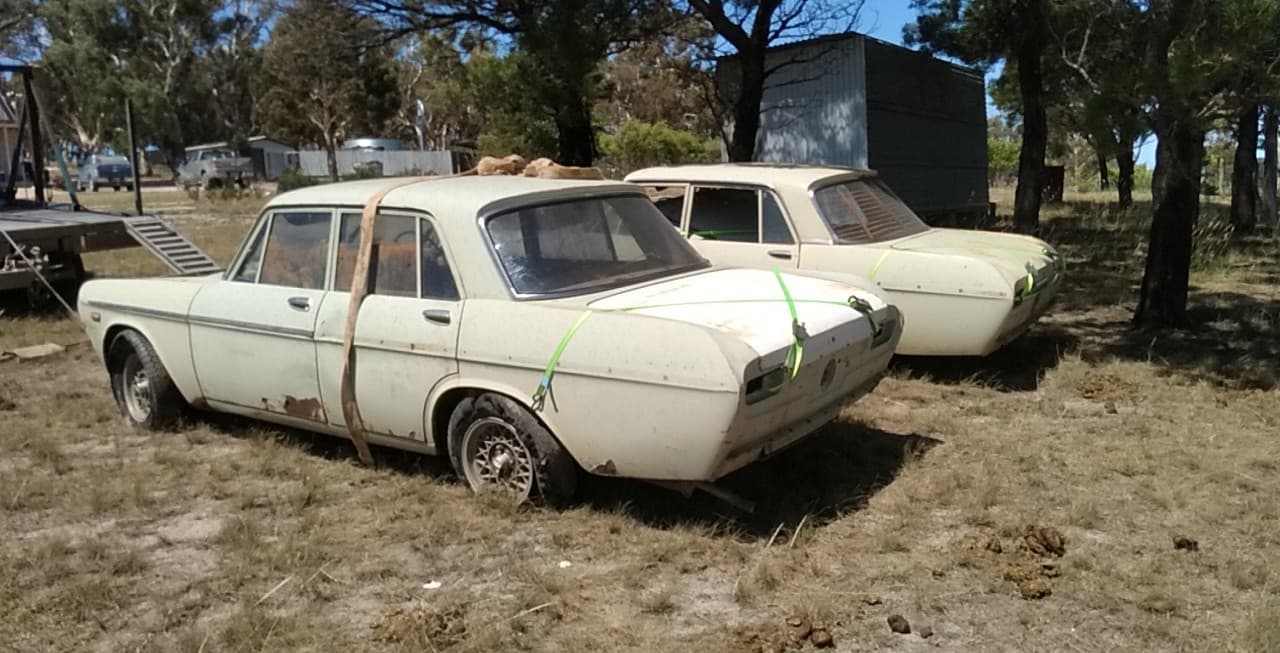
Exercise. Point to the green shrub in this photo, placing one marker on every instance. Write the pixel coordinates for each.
(637, 144)
(292, 178)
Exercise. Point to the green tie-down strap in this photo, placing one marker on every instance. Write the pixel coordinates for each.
(544, 386)
(798, 332)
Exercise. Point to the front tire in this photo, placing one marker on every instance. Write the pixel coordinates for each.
(143, 390)
(495, 443)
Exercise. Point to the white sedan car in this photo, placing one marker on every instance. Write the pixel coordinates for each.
(475, 342)
(963, 292)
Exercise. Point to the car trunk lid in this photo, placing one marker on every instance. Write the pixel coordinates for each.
(1013, 255)
(748, 304)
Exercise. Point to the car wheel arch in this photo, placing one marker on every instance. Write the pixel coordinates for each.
(446, 399)
(110, 356)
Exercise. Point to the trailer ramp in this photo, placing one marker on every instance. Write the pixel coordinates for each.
(180, 254)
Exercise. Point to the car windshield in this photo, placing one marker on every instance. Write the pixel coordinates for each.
(865, 211)
(586, 245)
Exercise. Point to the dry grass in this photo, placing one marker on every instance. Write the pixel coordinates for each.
(228, 536)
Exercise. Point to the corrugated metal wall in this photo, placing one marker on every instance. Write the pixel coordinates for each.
(926, 129)
(848, 100)
(814, 107)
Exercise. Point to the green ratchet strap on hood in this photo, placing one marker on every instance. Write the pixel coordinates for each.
(794, 356)
(798, 334)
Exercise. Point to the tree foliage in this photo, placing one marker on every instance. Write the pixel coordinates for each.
(322, 85)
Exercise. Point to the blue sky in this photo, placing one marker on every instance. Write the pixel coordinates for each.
(884, 19)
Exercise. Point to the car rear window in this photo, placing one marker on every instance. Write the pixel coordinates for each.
(865, 211)
(586, 245)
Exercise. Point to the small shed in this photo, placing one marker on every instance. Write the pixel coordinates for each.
(853, 101)
(271, 157)
(8, 137)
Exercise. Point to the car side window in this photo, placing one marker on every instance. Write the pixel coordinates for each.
(731, 214)
(248, 271)
(437, 278)
(393, 262)
(669, 200)
(297, 250)
(772, 222)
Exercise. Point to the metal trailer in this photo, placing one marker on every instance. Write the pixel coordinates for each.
(42, 242)
(852, 101)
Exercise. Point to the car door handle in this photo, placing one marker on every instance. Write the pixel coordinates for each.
(780, 253)
(300, 303)
(437, 315)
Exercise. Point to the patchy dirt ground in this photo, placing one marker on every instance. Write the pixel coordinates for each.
(1090, 488)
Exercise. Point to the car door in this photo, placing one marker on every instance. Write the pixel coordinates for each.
(741, 226)
(407, 332)
(252, 333)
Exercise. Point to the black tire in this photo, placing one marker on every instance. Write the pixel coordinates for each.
(115, 189)
(128, 354)
(555, 474)
(95, 188)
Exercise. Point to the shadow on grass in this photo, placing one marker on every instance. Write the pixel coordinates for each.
(835, 471)
(1016, 367)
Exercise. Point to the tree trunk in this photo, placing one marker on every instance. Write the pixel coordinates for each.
(1104, 175)
(1244, 174)
(1270, 123)
(1179, 154)
(1124, 175)
(331, 157)
(1035, 130)
(746, 106)
(576, 138)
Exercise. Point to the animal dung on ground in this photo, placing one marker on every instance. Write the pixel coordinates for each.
(1044, 540)
(821, 638)
(925, 632)
(1034, 588)
(899, 624)
(1184, 543)
(798, 629)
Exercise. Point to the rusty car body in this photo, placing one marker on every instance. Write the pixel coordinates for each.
(527, 328)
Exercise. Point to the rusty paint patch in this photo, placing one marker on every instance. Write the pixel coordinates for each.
(308, 408)
(606, 469)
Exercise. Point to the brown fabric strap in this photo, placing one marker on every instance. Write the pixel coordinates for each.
(359, 289)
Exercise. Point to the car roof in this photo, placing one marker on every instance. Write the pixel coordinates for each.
(769, 174)
(448, 196)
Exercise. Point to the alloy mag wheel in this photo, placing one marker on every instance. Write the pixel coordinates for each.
(494, 456)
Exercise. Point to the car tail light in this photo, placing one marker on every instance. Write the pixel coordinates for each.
(766, 385)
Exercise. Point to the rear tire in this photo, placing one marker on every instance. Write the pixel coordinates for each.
(495, 443)
(143, 390)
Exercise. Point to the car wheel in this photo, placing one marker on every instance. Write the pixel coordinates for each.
(495, 443)
(143, 390)
(115, 188)
(95, 188)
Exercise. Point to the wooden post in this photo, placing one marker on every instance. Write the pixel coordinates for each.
(133, 154)
(37, 143)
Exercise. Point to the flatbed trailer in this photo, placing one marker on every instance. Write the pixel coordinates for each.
(50, 240)
(41, 243)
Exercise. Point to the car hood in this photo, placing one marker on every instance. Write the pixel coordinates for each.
(1014, 255)
(745, 303)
